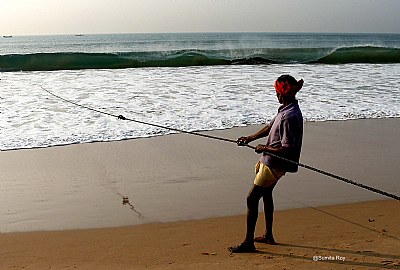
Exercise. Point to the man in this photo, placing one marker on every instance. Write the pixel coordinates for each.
(284, 138)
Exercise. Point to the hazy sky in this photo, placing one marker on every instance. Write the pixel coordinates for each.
(31, 17)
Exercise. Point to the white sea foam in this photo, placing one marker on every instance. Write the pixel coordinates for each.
(188, 98)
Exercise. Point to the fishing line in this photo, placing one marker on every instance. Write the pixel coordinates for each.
(343, 179)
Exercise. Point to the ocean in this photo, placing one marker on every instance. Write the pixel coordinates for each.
(189, 81)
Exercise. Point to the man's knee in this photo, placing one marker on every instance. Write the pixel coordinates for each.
(252, 201)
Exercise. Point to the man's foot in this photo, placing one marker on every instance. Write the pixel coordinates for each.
(243, 248)
(266, 240)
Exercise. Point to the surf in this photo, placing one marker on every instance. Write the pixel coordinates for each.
(362, 54)
(193, 57)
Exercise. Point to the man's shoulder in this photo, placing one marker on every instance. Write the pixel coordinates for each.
(292, 112)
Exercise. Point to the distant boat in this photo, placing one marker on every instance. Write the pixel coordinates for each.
(7, 36)
(79, 35)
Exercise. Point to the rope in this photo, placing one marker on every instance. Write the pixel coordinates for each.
(343, 179)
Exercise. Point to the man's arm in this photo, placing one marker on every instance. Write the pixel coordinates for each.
(260, 134)
(281, 150)
(288, 138)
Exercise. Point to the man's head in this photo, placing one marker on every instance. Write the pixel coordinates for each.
(286, 88)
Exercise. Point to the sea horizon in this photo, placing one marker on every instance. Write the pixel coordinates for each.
(200, 32)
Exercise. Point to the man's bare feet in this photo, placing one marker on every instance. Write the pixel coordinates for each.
(243, 248)
(265, 239)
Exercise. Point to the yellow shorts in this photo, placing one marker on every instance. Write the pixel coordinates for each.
(265, 176)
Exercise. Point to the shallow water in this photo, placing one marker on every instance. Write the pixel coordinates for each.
(188, 98)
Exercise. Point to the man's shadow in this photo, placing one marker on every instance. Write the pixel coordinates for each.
(387, 259)
(387, 263)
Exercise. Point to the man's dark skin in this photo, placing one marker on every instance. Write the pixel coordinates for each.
(268, 201)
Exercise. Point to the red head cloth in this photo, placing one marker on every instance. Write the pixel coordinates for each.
(286, 89)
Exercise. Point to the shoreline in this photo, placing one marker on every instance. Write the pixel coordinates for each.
(185, 177)
(182, 133)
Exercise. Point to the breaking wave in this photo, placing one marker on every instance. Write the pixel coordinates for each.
(184, 58)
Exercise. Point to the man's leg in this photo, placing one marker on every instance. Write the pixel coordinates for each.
(253, 199)
(269, 214)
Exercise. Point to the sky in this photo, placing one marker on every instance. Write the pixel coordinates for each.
(46, 17)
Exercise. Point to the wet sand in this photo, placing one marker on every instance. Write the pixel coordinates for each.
(185, 177)
(191, 192)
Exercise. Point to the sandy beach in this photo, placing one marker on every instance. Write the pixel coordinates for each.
(349, 236)
(61, 207)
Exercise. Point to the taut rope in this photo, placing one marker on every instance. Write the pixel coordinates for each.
(121, 117)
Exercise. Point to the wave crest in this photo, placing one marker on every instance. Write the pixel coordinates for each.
(182, 58)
